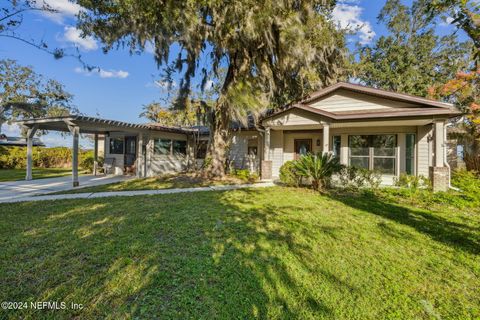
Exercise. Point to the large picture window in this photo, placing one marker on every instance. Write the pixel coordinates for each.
(373, 152)
(169, 147)
(116, 145)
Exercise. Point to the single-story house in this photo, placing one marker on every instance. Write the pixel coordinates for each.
(365, 127)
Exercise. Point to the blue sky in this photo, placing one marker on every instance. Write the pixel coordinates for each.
(126, 82)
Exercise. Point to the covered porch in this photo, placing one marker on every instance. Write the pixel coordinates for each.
(391, 146)
(75, 125)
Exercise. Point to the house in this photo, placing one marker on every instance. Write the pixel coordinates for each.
(365, 127)
(18, 141)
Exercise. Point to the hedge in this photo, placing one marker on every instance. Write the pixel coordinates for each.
(58, 157)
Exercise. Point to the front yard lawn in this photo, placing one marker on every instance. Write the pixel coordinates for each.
(37, 173)
(180, 180)
(273, 253)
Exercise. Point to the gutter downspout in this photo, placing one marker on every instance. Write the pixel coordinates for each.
(445, 162)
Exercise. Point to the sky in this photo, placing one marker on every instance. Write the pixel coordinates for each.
(126, 82)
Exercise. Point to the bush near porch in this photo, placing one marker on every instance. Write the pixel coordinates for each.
(57, 157)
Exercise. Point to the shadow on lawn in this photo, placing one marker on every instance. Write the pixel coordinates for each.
(457, 235)
(200, 256)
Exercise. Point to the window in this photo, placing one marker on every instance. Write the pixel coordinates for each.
(202, 149)
(252, 151)
(116, 145)
(162, 147)
(410, 153)
(373, 152)
(179, 147)
(336, 145)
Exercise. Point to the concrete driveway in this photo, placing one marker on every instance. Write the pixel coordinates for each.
(20, 189)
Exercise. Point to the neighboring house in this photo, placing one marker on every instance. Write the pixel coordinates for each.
(366, 127)
(18, 141)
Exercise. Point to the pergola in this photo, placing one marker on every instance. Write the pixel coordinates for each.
(77, 124)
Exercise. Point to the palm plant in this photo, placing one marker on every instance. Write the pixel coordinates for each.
(319, 168)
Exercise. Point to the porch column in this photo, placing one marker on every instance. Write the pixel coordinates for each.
(439, 173)
(344, 149)
(75, 130)
(266, 166)
(439, 141)
(266, 143)
(139, 169)
(30, 134)
(326, 138)
(95, 154)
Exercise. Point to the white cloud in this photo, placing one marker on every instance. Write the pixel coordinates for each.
(103, 73)
(74, 36)
(11, 130)
(446, 21)
(64, 9)
(209, 85)
(348, 16)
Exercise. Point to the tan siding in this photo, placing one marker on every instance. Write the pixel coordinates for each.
(294, 117)
(344, 100)
(276, 151)
(423, 150)
(161, 164)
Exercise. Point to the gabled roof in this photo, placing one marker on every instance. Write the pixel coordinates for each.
(391, 95)
(430, 107)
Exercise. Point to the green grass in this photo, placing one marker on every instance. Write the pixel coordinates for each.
(160, 182)
(271, 253)
(37, 173)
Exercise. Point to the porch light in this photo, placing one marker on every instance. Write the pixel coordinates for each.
(318, 142)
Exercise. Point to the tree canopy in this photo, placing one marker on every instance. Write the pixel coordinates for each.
(272, 51)
(25, 94)
(412, 58)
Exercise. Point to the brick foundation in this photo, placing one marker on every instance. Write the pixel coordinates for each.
(266, 170)
(440, 178)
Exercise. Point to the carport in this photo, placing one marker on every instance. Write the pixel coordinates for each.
(76, 125)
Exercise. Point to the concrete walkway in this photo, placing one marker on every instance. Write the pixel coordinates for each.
(90, 195)
(21, 189)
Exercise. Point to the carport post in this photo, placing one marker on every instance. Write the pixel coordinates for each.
(75, 130)
(95, 155)
(30, 133)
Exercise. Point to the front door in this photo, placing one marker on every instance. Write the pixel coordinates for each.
(130, 154)
(302, 147)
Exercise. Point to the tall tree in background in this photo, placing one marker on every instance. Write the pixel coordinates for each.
(412, 58)
(465, 14)
(26, 94)
(271, 50)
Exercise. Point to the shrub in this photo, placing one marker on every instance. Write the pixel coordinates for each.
(469, 184)
(244, 174)
(411, 182)
(356, 178)
(318, 168)
(289, 175)
(58, 157)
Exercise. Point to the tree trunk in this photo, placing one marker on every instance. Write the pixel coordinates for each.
(220, 133)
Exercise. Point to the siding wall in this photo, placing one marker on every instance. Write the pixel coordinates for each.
(343, 100)
(424, 150)
(161, 164)
(239, 150)
(276, 151)
(119, 158)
